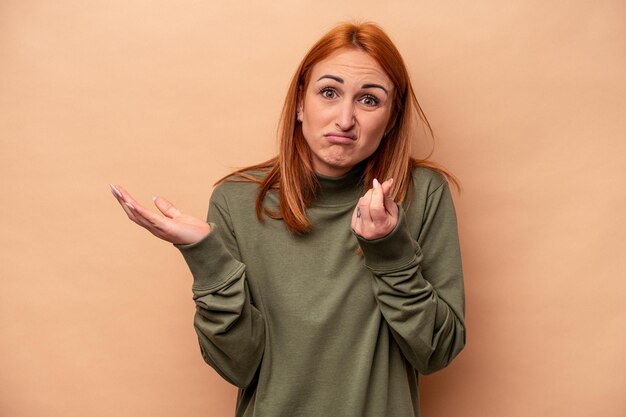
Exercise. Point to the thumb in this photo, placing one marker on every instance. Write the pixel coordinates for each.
(378, 194)
(166, 207)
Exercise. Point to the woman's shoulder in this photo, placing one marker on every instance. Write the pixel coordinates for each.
(428, 179)
(241, 184)
(429, 194)
(251, 175)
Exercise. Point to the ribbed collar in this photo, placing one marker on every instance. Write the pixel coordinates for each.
(335, 191)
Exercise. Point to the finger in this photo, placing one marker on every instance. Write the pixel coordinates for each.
(127, 207)
(142, 216)
(127, 197)
(157, 224)
(357, 215)
(151, 221)
(377, 204)
(386, 186)
(390, 204)
(117, 194)
(136, 216)
(136, 211)
(364, 206)
(166, 207)
(115, 191)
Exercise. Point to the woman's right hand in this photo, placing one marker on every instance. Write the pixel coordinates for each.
(172, 226)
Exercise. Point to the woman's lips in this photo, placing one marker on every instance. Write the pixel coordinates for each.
(340, 138)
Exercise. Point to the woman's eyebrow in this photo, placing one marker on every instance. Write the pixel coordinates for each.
(375, 86)
(340, 80)
(332, 77)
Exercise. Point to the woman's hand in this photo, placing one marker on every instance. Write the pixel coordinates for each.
(173, 226)
(376, 214)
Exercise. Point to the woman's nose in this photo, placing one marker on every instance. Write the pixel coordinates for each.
(345, 116)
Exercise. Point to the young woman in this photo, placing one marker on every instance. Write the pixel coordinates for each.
(320, 290)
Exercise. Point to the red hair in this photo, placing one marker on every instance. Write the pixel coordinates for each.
(291, 172)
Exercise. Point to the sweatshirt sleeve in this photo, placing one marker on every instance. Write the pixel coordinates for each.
(419, 286)
(230, 329)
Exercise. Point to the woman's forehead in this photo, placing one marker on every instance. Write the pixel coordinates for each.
(351, 66)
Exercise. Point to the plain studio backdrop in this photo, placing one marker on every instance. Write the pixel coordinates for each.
(527, 101)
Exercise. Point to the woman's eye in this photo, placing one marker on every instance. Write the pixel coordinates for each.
(328, 93)
(369, 101)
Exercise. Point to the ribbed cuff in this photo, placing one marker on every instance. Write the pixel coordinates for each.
(394, 251)
(211, 264)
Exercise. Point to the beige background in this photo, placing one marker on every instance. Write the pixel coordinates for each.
(527, 99)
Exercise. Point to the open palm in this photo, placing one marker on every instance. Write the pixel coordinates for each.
(170, 225)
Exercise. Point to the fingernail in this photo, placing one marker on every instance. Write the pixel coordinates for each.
(376, 184)
(115, 191)
(154, 197)
(129, 205)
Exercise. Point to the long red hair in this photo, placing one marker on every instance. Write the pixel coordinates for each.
(291, 172)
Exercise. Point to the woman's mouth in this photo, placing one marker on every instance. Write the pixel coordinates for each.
(340, 138)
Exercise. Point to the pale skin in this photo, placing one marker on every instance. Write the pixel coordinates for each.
(344, 114)
(170, 224)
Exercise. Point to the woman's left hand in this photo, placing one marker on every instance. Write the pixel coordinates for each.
(376, 214)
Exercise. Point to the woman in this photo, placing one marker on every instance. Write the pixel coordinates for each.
(321, 291)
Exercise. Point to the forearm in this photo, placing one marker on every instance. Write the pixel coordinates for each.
(425, 318)
(230, 329)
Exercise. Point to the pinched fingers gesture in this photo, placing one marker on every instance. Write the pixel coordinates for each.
(171, 225)
(376, 214)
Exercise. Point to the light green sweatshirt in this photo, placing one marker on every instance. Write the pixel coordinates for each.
(307, 327)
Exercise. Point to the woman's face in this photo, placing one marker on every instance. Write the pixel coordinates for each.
(345, 110)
